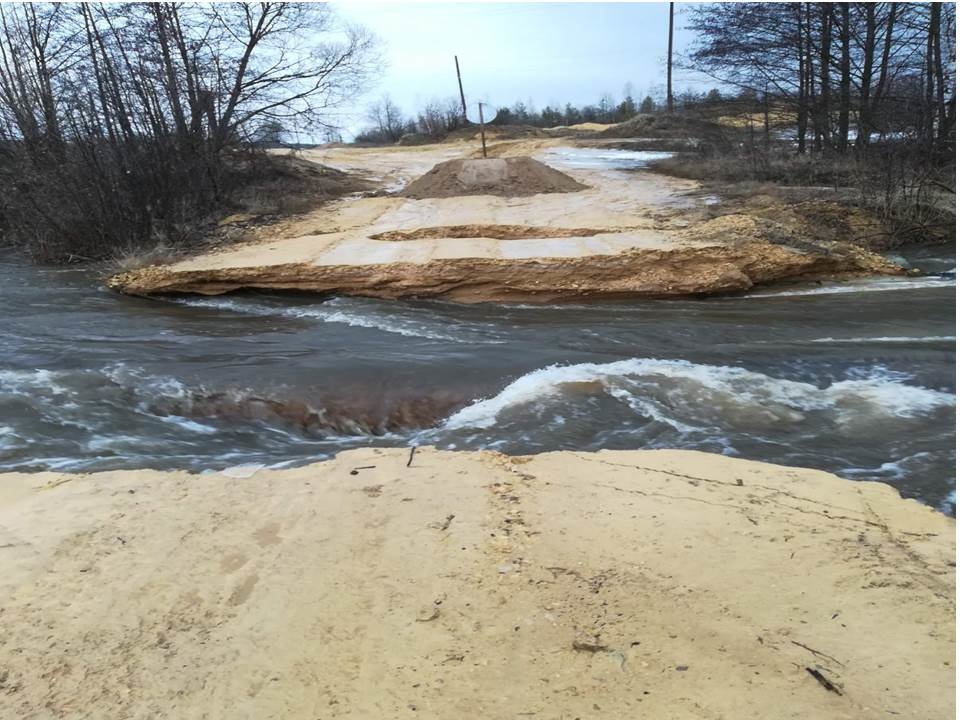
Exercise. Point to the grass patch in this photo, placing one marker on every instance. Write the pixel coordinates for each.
(910, 197)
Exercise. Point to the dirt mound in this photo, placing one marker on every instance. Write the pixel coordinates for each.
(662, 126)
(506, 177)
(498, 132)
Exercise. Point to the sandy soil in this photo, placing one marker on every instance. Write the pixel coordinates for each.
(505, 177)
(660, 584)
(327, 250)
(582, 126)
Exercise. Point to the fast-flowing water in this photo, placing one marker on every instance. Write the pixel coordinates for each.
(857, 379)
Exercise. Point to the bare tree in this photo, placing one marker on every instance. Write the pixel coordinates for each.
(821, 60)
(886, 69)
(387, 119)
(122, 123)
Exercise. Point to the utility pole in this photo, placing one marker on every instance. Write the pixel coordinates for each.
(463, 104)
(463, 99)
(670, 64)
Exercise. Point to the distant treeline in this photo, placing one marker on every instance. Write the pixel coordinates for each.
(606, 111)
(387, 123)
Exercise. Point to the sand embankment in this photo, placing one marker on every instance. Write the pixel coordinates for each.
(617, 584)
(449, 241)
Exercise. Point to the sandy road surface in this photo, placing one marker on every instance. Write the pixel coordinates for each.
(341, 233)
(467, 249)
(618, 584)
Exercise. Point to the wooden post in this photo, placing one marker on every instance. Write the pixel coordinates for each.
(483, 135)
(766, 123)
(463, 99)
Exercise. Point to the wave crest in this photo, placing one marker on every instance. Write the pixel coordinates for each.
(686, 395)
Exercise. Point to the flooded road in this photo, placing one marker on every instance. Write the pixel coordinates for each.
(860, 383)
(857, 379)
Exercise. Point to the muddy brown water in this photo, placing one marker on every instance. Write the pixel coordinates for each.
(857, 379)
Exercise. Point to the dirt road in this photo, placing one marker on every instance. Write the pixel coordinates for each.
(468, 248)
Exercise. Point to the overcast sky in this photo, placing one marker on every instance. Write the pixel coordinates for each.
(547, 53)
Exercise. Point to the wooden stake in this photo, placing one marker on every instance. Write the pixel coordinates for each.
(483, 135)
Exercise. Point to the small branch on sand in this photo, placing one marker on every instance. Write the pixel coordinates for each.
(591, 647)
(412, 451)
(817, 652)
(445, 525)
(827, 685)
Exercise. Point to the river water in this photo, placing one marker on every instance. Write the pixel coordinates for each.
(857, 379)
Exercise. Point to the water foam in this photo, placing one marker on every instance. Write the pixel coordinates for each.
(189, 425)
(333, 311)
(874, 285)
(664, 389)
(28, 382)
(891, 470)
(889, 339)
(948, 505)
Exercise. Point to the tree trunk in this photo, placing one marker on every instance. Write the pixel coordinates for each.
(864, 125)
(766, 123)
(826, 26)
(801, 86)
(927, 114)
(173, 91)
(45, 89)
(935, 30)
(189, 71)
(670, 63)
(843, 122)
(879, 92)
(223, 128)
(811, 91)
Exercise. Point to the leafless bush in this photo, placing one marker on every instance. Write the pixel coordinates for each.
(136, 257)
(388, 124)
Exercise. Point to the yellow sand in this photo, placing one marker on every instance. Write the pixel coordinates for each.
(340, 233)
(659, 584)
(585, 126)
(637, 248)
